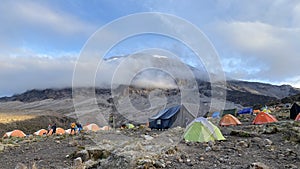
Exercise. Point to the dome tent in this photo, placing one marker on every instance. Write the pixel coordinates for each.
(263, 117)
(294, 111)
(171, 117)
(91, 127)
(14, 133)
(298, 117)
(59, 131)
(202, 130)
(229, 120)
(41, 132)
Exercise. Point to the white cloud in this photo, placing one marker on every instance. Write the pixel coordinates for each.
(32, 14)
(19, 74)
(296, 15)
(272, 51)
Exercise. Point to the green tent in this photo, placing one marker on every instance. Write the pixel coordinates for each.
(202, 130)
(129, 126)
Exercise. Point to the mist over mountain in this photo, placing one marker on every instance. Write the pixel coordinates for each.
(163, 82)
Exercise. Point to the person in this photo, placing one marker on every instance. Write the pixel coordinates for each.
(54, 128)
(111, 119)
(73, 126)
(79, 126)
(123, 126)
(49, 128)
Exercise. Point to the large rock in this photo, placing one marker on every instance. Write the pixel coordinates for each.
(21, 166)
(83, 154)
(242, 133)
(258, 165)
(92, 164)
(2, 147)
(78, 163)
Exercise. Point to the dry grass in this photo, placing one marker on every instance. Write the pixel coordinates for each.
(6, 118)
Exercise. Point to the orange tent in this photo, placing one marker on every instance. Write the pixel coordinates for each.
(105, 128)
(69, 131)
(59, 131)
(229, 120)
(41, 132)
(263, 117)
(91, 127)
(256, 111)
(14, 133)
(298, 117)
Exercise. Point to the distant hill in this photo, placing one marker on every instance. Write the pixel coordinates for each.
(239, 92)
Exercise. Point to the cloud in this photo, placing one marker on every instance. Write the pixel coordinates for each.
(296, 15)
(41, 27)
(19, 74)
(32, 14)
(257, 50)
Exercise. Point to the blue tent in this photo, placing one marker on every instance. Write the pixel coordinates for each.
(245, 111)
(171, 117)
(216, 115)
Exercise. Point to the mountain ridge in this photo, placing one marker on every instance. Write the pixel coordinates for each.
(240, 92)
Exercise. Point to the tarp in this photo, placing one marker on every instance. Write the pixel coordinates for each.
(263, 117)
(229, 120)
(171, 117)
(245, 111)
(202, 130)
(294, 111)
(216, 115)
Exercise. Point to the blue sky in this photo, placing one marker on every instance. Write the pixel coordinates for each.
(41, 40)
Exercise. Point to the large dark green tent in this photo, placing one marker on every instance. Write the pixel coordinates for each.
(294, 111)
(171, 117)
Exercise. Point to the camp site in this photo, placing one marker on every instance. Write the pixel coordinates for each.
(149, 84)
(173, 135)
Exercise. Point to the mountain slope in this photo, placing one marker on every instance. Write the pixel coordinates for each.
(239, 92)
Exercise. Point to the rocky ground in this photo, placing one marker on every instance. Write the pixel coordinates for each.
(273, 145)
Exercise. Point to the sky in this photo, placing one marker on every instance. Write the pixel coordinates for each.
(40, 41)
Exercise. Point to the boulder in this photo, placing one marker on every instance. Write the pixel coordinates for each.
(96, 153)
(147, 137)
(83, 154)
(2, 147)
(91, 163)
(78, 163)
(268, 142)
(241, 133)
(258, 165)
(159, 164)
(21, 166)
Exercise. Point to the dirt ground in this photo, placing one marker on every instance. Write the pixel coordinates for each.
(276, 145)
(44, 152)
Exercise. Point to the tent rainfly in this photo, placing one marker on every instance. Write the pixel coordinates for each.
(229, 120)
(263, 117)
(202, 130)
(171, 117)
(294, 111)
